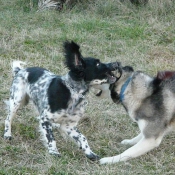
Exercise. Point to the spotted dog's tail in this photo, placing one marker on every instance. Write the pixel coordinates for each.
(17, 66)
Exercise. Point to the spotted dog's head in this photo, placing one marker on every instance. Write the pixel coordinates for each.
(87, 69)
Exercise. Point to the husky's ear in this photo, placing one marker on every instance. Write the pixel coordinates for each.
(165, 75)
(73, 57)
(128, 69)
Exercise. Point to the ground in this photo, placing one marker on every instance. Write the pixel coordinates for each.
(139, 36)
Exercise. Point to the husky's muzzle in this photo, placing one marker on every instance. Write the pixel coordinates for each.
(114, 66)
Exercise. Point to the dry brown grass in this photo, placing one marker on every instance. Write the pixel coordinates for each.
(143, 37)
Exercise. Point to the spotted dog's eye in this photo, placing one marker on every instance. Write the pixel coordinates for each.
(98, 64)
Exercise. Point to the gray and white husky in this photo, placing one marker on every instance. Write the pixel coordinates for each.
(149, 101)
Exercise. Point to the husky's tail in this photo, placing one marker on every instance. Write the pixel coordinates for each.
(17, 66)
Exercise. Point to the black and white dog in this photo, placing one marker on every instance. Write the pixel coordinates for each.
(59, 99)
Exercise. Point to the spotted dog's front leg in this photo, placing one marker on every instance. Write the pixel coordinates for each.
(81, 141)
(48, 137)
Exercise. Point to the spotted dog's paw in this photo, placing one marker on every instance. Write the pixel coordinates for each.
(93, 156)
(7, 137)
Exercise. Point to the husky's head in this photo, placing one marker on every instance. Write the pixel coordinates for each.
(113, 90)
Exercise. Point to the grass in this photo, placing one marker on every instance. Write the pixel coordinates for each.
(143, 37)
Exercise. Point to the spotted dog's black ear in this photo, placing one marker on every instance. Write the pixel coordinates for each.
(73, 57)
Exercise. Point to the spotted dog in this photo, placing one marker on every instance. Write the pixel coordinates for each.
(60, 100)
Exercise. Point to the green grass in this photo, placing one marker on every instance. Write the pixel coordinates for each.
(143, 37)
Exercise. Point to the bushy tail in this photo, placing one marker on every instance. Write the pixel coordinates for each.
(17, 66)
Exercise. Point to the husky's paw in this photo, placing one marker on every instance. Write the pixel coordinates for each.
(104, 161)
(126, 142)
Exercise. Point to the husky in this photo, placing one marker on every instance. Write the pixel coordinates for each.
(149, 101)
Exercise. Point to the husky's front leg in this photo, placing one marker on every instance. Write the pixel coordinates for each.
(142, 147)
(80, 140)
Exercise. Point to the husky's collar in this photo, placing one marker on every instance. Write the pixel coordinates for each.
(123, 88)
